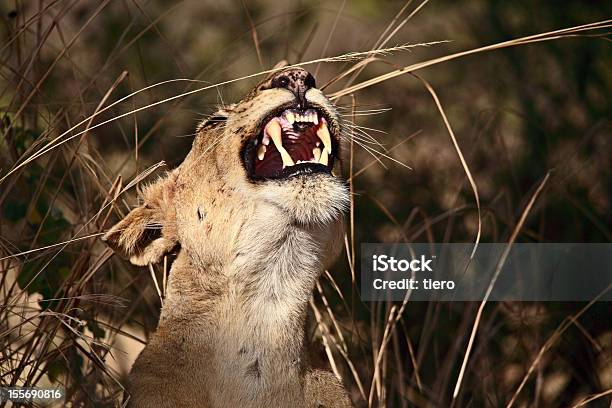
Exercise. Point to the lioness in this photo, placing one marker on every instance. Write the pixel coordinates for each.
(254, 215)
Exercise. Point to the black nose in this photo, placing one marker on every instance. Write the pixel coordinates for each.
(297, 81)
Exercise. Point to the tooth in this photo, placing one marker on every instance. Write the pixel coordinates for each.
(273, 129)
(324, 157)
(317, 154)
(323, 134)
(261, 152)
(290, 117)
(287, 160)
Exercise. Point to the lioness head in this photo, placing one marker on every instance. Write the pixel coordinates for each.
(265, 163)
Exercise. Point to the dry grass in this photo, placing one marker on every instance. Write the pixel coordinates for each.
(73, 315)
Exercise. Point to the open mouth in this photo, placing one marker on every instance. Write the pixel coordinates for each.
(292, 143)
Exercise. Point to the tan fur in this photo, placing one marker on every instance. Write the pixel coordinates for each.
(231, 331)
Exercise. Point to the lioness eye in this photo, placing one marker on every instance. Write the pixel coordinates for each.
(310, 81)
(215, 119)
(280, 82)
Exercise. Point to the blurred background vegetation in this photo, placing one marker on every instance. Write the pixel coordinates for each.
(72, 314)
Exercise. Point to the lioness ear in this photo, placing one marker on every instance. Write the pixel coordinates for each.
(148, 232)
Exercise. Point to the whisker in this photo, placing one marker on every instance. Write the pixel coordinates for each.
(348, 108)
(363, 114)
(368, 150)
(365, 134)
(367, 128)
(372, 151)
(348, 136)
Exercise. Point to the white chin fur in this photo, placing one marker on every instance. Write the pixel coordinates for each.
(309, 199)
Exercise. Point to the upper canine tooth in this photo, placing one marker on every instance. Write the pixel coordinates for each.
(273, 129)
(324, 158)
(261, 152)
(323, 134)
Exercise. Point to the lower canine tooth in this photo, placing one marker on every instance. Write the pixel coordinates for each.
(261, 152)
(324, 158)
